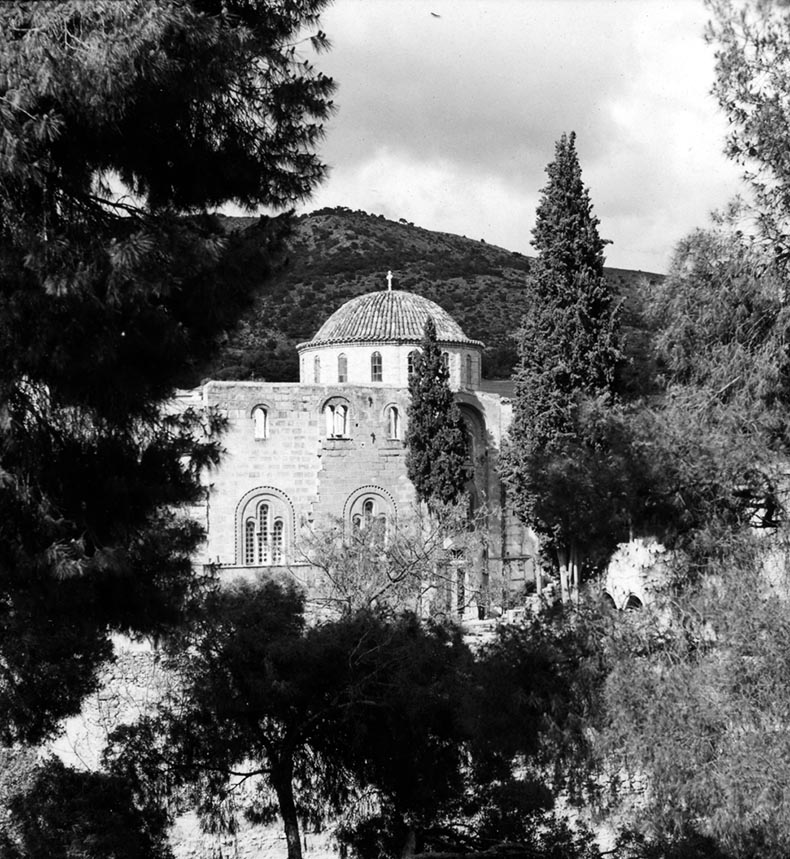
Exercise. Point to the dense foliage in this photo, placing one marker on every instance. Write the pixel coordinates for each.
(568, 353)
(437, 444)
(390, 725)
(71, 814)
(122, 124)
(697, 699)
(751, 85)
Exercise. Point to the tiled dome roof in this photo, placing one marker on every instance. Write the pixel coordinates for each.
(386, 317)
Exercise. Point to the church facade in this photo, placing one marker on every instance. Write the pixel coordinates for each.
(331, 448)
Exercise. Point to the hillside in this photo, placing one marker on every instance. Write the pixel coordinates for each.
(336, 254)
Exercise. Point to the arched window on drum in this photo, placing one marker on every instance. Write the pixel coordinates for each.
(376, 367)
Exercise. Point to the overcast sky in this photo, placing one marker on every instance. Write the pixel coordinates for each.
(449, 119)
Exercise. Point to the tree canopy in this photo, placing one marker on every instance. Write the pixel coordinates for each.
(752, 48)
(567, 353)
(123, 124)
(436, 439)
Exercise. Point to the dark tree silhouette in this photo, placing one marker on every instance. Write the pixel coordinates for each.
(436, 440)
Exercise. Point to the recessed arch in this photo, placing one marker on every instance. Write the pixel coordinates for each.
(383, 502)
(260, 420)
(265, 528)
(475, 428)
(392, 416)
(337, 417)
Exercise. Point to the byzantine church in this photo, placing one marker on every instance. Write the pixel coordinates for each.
(331, 447)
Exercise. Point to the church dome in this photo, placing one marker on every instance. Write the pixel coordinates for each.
(388, 317)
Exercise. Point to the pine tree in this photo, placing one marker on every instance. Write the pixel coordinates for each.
(567, 347)
(436, 440)
(124, 124)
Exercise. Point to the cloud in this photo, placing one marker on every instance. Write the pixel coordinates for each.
(450, 121)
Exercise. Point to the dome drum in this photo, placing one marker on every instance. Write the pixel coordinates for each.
(370, 338)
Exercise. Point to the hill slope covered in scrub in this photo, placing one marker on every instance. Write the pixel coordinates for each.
(336, 254)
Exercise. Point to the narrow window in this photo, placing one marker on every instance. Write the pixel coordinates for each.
(260, 419)
(393, 422)
(249, 542)
(341, 421)
(317, 369)
(410, 361)
(446, 361)
(342, 368)
(263, 534)
(356, 523)
(277, 542)
(375, 367)
(380, 531)
(469, 380)
(367, 511)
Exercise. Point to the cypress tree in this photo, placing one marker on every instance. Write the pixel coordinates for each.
(567, 345)
(436, 440)
(124, 124)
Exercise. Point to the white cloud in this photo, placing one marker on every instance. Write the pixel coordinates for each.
(449, 122)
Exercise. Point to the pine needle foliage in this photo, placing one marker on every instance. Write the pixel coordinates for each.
(437, 445)
(122, 125)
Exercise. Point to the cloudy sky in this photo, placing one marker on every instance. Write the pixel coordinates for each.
(448, 111)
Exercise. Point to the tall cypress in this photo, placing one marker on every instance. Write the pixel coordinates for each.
(436, 440)
(567, 342)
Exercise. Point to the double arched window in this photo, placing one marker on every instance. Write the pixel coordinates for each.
(265, 519)
(376, 374)
(336, 416)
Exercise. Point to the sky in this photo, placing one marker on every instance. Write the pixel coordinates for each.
(448, 112)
